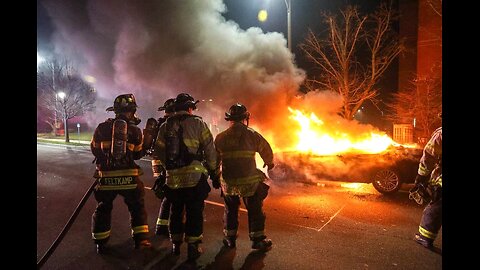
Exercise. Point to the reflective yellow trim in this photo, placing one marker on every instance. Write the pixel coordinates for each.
(105, 144)
(244, 180)
(118, 187)
(193, 239)
(101, 235)
(162, 221)
(191, 143)
(426, 233)
(157, 162)
(206, 134)
(256, 234)
(238, 154)
(195, 168)
(140, 229)
(422, 170)
(116, 173)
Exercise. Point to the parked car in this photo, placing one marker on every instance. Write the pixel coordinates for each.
(386, 171)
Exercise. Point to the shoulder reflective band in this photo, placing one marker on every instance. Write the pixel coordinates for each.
(191, 143)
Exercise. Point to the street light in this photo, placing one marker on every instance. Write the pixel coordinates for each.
(288, 4)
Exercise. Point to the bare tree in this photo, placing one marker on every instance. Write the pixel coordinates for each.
(420, 103)
(355, 53)
(63, 92)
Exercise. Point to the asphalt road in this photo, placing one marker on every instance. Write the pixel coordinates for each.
(312, 227)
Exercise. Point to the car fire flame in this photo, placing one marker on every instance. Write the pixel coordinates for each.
(315, 137)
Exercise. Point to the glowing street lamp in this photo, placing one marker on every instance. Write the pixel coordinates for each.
(263, 15)
(61, 95)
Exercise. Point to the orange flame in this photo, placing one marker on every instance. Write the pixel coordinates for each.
(316, 138)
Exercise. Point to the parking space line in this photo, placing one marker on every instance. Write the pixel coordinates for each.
(332, 217)
(315, 229)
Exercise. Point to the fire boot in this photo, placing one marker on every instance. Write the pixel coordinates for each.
(426, 242)
(162, 230)
(261, 243)
(176, 247)
(143, 244)
(230, 241)
(194, 250)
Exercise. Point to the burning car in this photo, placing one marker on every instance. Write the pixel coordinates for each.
(387, 170)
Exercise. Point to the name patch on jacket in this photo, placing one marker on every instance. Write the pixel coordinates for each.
(116, 181)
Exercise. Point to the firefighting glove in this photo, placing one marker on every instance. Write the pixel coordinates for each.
(158, 187)
(419, 193)
(269, 166)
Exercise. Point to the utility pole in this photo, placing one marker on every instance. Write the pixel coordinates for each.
(289, 24)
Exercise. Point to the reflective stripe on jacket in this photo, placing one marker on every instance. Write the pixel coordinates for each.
(236, 148)
(430, 163)
(100, 146)
(198, 138)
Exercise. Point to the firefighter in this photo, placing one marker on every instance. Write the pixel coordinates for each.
(428, 187)
(184, 150)
(116, 143)
(236, 148)
(161, 228)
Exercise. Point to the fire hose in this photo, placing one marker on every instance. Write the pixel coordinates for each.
(67, 226)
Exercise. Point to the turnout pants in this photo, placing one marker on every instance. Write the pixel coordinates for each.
(431, 221)
(101, 218)
(192, 201)
(164, 213)
(256, 216)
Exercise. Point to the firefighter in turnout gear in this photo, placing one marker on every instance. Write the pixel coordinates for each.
(184, 150)
(116, 143)
(164, 212)
(428, 186)
(236, 148)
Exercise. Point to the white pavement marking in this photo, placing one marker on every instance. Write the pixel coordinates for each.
(332, 217)
(214, 203)
(315, 229)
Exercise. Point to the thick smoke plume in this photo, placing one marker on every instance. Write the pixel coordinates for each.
(158, 49)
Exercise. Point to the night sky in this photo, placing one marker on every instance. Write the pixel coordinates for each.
(72, 29)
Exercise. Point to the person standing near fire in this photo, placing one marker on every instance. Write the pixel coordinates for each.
(236, 148)
(184, 150)
(116, 143)
(428, 186)
(161, 228)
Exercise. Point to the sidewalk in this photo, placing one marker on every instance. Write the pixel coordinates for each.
(62, 140)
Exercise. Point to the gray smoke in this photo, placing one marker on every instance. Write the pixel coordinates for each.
(158, 49)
